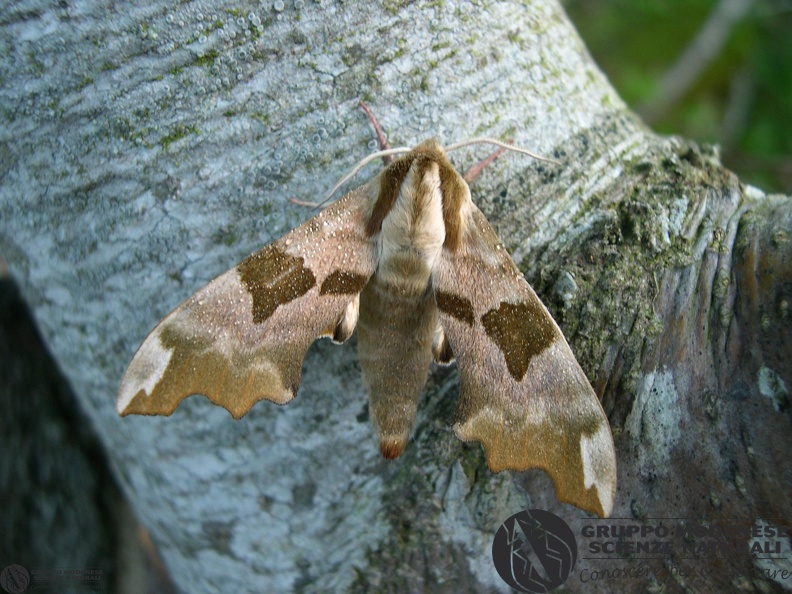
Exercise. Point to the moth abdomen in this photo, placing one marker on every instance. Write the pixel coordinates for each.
(395, 333)
(398, 314)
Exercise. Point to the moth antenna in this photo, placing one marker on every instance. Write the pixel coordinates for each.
(360, 165)
(500, 143)
(299, 202)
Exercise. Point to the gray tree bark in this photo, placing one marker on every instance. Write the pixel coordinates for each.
(146, 149)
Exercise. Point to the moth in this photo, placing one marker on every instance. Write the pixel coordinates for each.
(409, 260)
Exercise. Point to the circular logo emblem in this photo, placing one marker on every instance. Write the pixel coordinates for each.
(534, 551)
(14, 579)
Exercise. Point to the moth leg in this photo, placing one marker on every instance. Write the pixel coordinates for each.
(441, 348)
(387, 159)
(340, 330)
(472, 174)
(384, 145)
(383, 142)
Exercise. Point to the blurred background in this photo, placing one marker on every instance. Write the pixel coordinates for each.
(715, 71)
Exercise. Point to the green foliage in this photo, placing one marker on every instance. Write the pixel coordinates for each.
(742, 100)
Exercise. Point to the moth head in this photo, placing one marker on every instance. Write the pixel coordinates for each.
(415, 164)
(430, 147)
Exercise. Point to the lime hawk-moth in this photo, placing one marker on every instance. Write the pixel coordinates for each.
(409, 260)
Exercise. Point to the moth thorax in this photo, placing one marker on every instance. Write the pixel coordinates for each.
(413, 231)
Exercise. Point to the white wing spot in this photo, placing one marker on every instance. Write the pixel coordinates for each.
(595, 469)
(145, 371)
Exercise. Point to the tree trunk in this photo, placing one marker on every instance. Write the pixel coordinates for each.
(145, 150)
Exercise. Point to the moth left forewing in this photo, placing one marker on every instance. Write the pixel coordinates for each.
(522, 393)
(242, 338)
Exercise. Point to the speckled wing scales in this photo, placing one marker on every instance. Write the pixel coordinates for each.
(242, 338)
(522, 393)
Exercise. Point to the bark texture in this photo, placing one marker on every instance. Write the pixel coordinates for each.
(59, 504)
(146, 149)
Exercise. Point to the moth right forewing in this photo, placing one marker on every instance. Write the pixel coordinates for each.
(522, 393)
